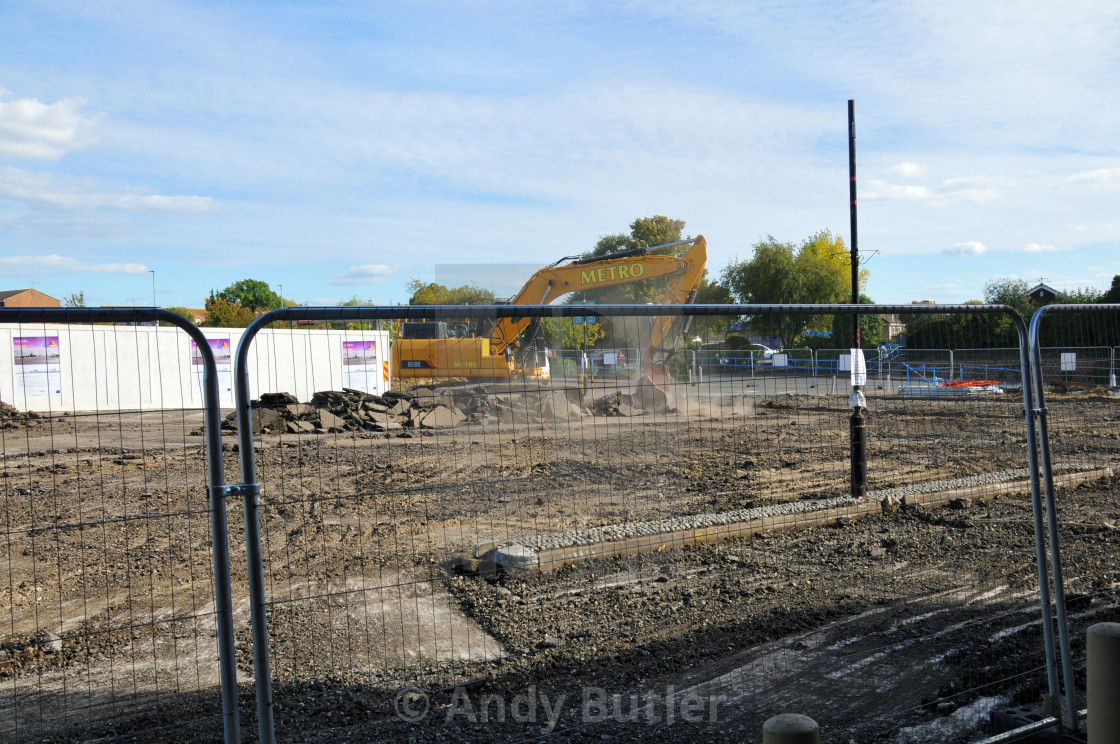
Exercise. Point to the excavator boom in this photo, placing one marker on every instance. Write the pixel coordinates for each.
(684, 273)
(489, 356)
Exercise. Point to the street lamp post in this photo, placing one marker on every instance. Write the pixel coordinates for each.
(153, 273)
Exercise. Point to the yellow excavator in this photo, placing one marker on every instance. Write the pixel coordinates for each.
(431, 349)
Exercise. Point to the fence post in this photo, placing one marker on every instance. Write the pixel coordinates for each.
(216, 488)
(1102, 655)
(262, 666)
(1041, 413)
(1025, 362)
(223, 593)
(790, 728)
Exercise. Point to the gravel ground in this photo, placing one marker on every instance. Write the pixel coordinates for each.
(917, 619)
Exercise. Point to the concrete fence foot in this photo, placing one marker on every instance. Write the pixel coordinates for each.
(791, 728)
(1103, 682)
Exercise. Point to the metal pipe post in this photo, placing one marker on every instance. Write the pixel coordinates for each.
(262, 667)
(1036, 509)
(1052, 522)
(223, 592)
(858, 420)
(791, 728)
(1102, 653)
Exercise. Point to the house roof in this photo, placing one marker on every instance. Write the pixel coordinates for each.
(1043, 287)
(12, 293)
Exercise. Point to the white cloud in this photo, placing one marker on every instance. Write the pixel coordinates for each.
(54, 264)
(1099, 177)
(1042, 248)
(968, 248)
(32, 129)
(43, 188)
(880, 189)
(908, 170)
(976, 189)
(366, 274)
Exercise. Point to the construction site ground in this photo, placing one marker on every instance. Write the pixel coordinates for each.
(906, 625)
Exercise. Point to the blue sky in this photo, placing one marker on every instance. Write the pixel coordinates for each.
(340, 149)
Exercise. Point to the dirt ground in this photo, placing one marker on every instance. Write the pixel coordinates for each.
(907, 626)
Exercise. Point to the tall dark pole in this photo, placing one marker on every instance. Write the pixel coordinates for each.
(858, 420)
(855, 234)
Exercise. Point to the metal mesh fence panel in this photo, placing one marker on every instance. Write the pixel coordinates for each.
(1079, 407)
(650, 555)
(108, 621)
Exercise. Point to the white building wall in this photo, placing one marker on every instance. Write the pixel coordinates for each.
(109, 367)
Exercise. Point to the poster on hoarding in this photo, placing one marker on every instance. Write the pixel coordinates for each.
(360, 370)
(37, 365)
(223, 358)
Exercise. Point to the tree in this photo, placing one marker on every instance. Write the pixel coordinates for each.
(870, 328)
(960, 331)
(644, 232)
(356, 301)
(1113, 294)
(564, 333)
(1080, 329)
(1080, 296)
(75, 299)
(437, 294)
(711, 293)
(221, 313)
(1014, 293)
(817, 271)
(182, 311)
(251, 294)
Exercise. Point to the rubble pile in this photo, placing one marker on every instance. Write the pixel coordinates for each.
(11, 417)
(441, 408)
(645, 398)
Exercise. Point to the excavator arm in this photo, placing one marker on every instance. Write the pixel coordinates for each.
(491, 356)
(684, 274)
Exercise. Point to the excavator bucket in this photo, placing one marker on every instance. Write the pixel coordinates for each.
(653, 388)
(658, 375)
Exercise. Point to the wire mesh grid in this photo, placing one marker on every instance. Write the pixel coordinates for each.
(107, 591)
(1077, 351)
(700, 558)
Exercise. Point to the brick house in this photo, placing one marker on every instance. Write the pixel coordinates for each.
(27, 298)
(1042, 295)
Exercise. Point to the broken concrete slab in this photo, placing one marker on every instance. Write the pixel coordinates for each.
(277, 399)
(329, 421)
(266, 418)
(300, 410)
(442, 417)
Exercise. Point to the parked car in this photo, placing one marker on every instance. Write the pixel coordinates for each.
(767, 352)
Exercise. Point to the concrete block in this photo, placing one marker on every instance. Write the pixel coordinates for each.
(516, 556)
(442, 417)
